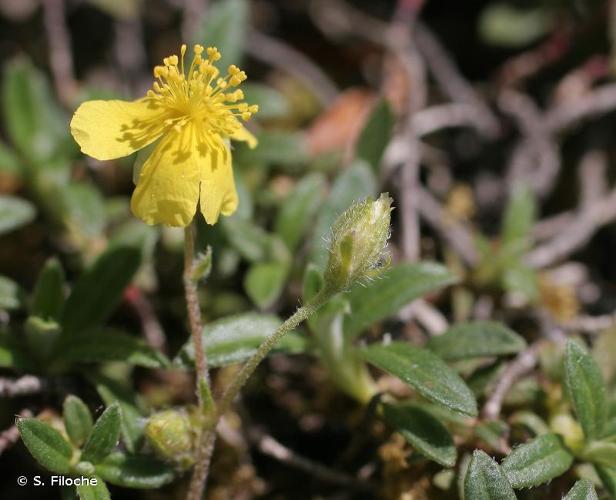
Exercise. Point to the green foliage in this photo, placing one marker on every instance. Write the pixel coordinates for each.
(99, 289)
(424, 372)
(35, 123)
(225, 26)
(422, 431)
(96, 491)
(299, 208)
(134, 471)
(48, 294)
(14, 213)
(234, 339)
(485, 480)
(77, 420)
(586, 389)
(475, 340)
(104, 435)
(375, 135)
(106, 345)
(46, 445)
(390, 291)
(537, 461)
(10, 294)
(582, 490)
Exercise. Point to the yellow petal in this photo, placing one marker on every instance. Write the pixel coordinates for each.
(244, 135)
(112, 129)
(168, 187)
(218, 194)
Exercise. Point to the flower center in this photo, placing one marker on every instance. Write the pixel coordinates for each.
(200, 94)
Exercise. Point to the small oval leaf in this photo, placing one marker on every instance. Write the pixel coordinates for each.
(485, 480)
(425, 372)
(475, 340)
(422, 431)
(134, 471)
(104, 435)
(582, 490)
(77, 420)
(586, 389)
(46, 445)
(537, 461)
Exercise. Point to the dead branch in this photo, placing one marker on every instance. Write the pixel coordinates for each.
(23, 386)
(273, 448)
(516, 369)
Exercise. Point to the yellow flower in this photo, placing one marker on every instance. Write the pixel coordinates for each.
(188, 116)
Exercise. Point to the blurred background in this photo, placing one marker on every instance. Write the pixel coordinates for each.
(452, 105)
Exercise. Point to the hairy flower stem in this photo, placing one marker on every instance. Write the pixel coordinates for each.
(205, 450)
(194, 315)
(205, 446)
(250, 366)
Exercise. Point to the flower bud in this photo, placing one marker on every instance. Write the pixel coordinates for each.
(172, 435)
(358, 240)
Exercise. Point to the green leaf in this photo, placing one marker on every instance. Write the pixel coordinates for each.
(235, 338)
(132, 415)
(422, 431)
(520, 278)
(312, 283)
(475, 340)
(48, 295)
(265, 281)
(12, 352)
(285, 149)
(537, 461)
(77, 420)
(601, 453)
(10, 294)
(92, 491)
(337, 352)
(134, 471)
(33, 120)
(608, 478)
(586, 389)
(272, 104)
(485, 480)
(9, 162)
(425, 372)
(355, 183)
(501, 24)
(14, 213)
(225, 26)
(582, 490)
(518, 221)
(250, 240)
(81, 208)
(102, 346)
(104, 435)
(393, 289)
(46, 445)
(376, 135)
(298, 210)
(99, 289)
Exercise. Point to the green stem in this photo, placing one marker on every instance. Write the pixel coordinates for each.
(250, 366)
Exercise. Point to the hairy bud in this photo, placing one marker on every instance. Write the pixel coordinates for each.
(172, 434)
(358, 241)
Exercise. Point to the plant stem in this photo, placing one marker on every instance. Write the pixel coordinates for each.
(205, 447)
(250, 366)
(205, 450)
(194, 313)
